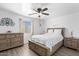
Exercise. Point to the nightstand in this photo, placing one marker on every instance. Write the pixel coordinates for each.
(71, 42)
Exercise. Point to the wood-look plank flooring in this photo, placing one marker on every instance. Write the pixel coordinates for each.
(64, 51)
(25, 51)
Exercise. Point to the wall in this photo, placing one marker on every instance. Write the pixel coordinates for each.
(69, 22)
(15, 17)
(35, 28)
(16, 28)
(38, 26)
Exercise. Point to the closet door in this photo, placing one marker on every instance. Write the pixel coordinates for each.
(35, 27)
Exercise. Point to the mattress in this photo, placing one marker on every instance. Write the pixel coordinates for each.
(48, 39)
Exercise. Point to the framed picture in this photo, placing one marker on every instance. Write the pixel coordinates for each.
(6, 22)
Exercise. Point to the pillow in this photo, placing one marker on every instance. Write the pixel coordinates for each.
(50, 31)
(57, 31)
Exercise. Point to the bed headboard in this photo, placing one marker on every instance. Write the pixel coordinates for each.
(62, 30)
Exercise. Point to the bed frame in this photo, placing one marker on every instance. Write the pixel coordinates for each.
(41, 49)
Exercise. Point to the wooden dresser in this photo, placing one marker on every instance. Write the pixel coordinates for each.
(71, 42)
(10, 40)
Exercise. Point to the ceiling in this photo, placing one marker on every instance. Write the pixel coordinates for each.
(59, 9)
(55, 9)
(14, 7)
(19, 8)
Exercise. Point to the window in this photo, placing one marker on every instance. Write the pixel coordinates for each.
(27, 26)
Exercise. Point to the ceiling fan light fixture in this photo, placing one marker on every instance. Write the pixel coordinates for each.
(39, 10)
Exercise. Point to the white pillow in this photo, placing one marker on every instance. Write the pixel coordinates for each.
(57, 31)
(50, 31)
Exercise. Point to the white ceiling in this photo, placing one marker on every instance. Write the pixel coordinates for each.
(19, 8)
(55, 9)
(14, 7)
(59, 9)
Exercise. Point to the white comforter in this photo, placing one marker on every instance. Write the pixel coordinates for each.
(48, 39)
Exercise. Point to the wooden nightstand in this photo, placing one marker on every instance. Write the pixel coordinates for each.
(71, 42)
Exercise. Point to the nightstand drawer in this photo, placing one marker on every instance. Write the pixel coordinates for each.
(78, 45)
(74, 45)
(71, 43)
(74, 40)
(67, 41)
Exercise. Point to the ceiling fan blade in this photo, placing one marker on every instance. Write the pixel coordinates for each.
(32, 13)
(35, 10)
(45, 9)
(45, 13)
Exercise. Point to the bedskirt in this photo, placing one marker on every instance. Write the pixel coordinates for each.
(42, 50)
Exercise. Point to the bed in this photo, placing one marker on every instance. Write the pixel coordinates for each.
(48, 43)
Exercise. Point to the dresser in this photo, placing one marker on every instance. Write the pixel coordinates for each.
(71, 42)
(10, 40)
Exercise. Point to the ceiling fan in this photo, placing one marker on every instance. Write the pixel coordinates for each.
(40, 11)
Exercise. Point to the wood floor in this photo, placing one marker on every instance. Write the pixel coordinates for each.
(25, 51)
(64, 51)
